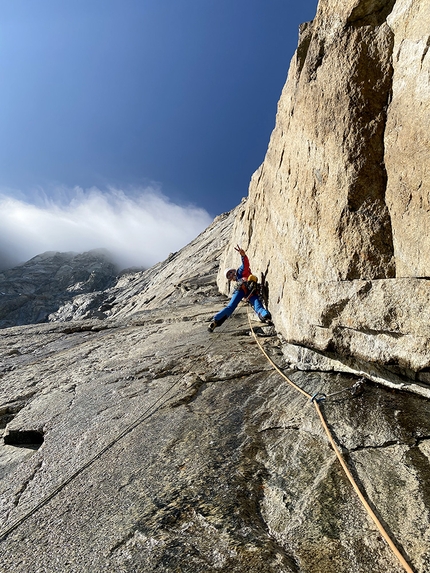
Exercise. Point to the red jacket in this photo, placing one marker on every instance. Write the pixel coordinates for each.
(244, 270)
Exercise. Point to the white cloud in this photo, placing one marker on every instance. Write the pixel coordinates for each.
(138, 228)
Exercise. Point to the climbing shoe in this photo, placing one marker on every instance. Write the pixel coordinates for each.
(214, 323)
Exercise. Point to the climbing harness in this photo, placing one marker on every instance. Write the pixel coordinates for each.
(316, 399)
(156, 405)
(250, 287)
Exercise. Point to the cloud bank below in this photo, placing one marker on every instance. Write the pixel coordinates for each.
(139, 228)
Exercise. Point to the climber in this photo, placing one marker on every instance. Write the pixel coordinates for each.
(246, 288)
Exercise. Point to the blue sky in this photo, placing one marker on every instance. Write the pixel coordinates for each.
(173, 99)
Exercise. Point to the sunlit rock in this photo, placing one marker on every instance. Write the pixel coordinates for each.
(338, 212)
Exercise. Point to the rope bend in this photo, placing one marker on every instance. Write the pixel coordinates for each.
(316, 402)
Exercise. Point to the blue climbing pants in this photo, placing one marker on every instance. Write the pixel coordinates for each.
(235, 300)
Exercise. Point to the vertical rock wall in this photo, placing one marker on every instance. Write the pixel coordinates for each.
(407, 139)
(338, 211)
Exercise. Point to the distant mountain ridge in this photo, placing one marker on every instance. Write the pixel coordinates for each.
(30, 292)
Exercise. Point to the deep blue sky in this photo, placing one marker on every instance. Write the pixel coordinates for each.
(123, 93)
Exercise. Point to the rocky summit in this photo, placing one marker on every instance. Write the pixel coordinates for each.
(135, 441)
(30, 292)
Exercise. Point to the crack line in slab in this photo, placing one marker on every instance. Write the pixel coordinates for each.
(390, 443)
(154, 407)
(278, 428)
(26, 484)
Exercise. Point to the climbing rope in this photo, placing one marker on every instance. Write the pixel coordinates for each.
(143, 417)
(316, 399)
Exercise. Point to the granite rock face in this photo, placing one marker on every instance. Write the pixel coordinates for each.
(338, 212)
(407, 139)
(133, 440)
(143, 443)
(30, 292)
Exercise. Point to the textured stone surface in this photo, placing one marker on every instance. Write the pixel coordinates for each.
(135, 441)
(189, 453)
(337, 213)
(30, 292)
(407, 138)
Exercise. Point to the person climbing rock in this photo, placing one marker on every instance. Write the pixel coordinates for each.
(246, 288)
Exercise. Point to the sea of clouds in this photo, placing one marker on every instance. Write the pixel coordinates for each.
(139, 227)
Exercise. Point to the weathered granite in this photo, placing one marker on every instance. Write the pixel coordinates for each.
(135, 441)
(407, 139)
(338, 212)
(189, 453)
